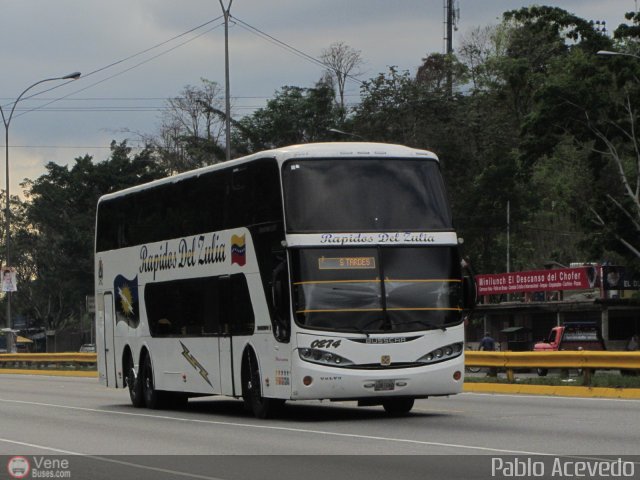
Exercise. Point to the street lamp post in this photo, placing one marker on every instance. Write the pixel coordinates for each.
(342, 132)
(7, 121)
(623, 54)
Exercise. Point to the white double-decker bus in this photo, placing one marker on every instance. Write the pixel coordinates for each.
(319, 271)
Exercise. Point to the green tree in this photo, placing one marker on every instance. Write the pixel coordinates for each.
(474, 135)
(294, 115)
(191, 133)
(436, 71)
(591, 100)
(545, 73)
(390, 109)
(342, 62)
(60, 214)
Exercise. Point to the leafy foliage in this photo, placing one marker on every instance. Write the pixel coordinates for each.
(294, 115)
(58, 232)
(191, 129)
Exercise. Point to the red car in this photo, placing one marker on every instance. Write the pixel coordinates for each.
(571, 336)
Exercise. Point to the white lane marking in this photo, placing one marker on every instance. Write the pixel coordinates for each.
(436, 410)
(283, 429)
(111, 460)
(271, 427)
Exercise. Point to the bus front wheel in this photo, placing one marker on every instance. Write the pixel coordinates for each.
(260, 406)
(398, 406)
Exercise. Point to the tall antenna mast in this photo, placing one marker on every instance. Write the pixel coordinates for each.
(451, 16)
(450, 19)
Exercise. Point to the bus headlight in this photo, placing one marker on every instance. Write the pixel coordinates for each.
(323, 357)
(443, 353)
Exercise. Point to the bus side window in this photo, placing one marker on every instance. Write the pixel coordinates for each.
(211, 309)
(280, 300)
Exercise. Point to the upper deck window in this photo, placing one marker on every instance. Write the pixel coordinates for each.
(222, 199)
(364, 195)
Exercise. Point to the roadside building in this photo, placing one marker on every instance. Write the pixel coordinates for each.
(519, 308)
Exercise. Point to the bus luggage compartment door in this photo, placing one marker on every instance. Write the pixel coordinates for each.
(225, 349)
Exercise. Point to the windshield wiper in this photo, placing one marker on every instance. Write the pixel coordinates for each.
(362, 329)
(429, 325)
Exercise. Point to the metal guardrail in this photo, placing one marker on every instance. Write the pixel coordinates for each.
(558, 359)
(48, 361)
(587, 361)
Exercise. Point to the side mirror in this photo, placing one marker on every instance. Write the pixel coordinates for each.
(469, 293)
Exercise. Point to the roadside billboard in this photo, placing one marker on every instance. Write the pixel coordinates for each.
(580, 278)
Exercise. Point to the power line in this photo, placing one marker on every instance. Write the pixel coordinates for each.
(299, 53)
(254, 30)
(125, 71)
(103, 147)
(134, 108)
(117, 62)
(138, 99)
(108, 109)
(164, 52)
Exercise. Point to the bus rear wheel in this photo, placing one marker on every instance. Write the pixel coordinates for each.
(260, 406)
(134, 384)
(398, 406)
(152, 397)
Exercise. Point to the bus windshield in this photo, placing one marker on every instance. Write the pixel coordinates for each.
(373, 290)
(364, 195)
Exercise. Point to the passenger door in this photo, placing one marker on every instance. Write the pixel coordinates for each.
(108, 346)
(237, 320)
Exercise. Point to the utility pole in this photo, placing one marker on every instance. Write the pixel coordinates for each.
(227, 13)
(508, 240)
(508, 236)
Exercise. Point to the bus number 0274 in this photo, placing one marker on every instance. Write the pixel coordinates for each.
(325, 343)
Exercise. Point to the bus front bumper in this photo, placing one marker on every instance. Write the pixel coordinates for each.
(316, 382)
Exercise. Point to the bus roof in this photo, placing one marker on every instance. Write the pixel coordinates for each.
(308, 150)
(349, 149)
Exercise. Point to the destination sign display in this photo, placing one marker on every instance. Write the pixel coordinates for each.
(347, 263)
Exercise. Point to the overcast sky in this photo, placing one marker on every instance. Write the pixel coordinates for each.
(49, 38)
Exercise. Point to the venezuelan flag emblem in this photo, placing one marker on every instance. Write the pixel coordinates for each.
(238, 250)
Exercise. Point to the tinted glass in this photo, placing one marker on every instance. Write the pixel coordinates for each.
(213, 201)
(341, 289)
(200, 307)
(355, 195)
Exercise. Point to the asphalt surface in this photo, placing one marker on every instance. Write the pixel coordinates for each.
(69, 417)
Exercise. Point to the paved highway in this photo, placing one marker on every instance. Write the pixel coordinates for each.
(61, 416)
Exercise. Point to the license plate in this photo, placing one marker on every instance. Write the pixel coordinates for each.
(384, 385)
